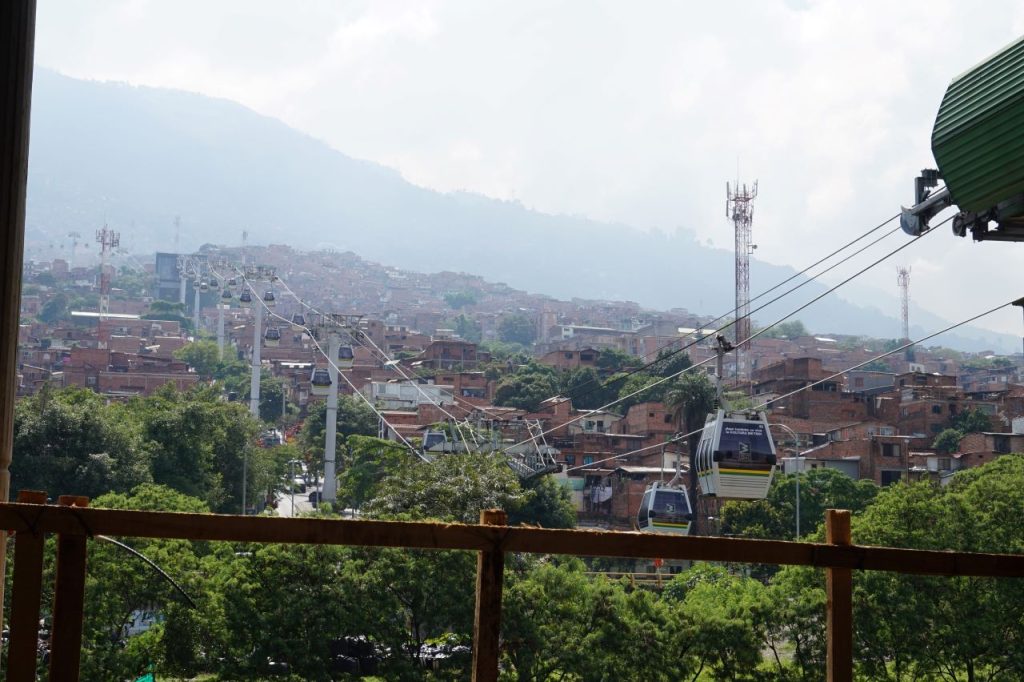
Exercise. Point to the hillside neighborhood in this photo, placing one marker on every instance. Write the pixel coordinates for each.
(464, 341)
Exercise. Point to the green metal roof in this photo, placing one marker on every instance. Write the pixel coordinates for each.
(978, 139)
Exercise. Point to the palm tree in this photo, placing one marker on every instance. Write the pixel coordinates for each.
(690, 399)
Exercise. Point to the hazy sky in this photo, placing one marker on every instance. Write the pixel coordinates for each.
(626, 111)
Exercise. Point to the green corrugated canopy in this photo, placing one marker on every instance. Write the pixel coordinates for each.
(978, 140)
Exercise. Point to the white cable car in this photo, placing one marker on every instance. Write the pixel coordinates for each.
(272, 337)
(346, 358)
(201, 285)
(736, 455)
(232, 282)
(268, 299)
(320, 382)
(665, 508)
(245, 299)
(298, 323)
(214, 283)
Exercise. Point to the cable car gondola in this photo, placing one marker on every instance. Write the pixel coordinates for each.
(214, 284)
(320, 382)
(225, 295)
(665, 508)
(298, 322)
(736, 455)
(201, 284)
(268, 299)
(232, 282)
(346, 358)
(245, 299)
(272, 337)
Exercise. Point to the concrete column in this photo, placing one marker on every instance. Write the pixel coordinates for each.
(330, 491)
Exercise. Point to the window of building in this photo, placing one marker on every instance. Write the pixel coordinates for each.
(586, 357)
(570, 459)
(936, 409)
(890, 449)
(588, 459)
(668, 419)
(567, 355)
(890, 477)
(1001, 444)
(945, 463)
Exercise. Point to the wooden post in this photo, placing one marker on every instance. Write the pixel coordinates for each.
(839, 605)
(490, 570)
(27, 593)
(17, 33)
(68, 600)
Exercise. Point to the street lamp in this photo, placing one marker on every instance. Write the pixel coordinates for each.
(796, 442)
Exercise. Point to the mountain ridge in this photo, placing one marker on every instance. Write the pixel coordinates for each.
(137, 156)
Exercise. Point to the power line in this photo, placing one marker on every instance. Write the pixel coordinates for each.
(331, 362)
(389, 362)
(753, 336)
(661, 358)
(679, 437)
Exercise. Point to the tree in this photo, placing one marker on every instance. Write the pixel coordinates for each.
(460, 299)
(121, 588)
(451, 488)
(787, 330)
(367, 462)
(198, 443)
(527, 388)
(69, 441)
(354, 418)
(613, 360)
(466, 327)
(774, 517)
(586, 390)
(690, 399)
(948, 441)
(55, 309)
(517, 329)
(546, 503)
(202, 356)
(971, 421)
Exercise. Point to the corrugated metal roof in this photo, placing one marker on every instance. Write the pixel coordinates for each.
(977, 140)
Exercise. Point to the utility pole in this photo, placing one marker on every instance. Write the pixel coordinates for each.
(195, 309)
(739, 208)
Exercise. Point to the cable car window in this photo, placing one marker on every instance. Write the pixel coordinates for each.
(670, 504)
(744, 441)
(645, 505)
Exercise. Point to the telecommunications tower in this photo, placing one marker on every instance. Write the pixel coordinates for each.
(903, 280)
(739, 207)
(107, 239)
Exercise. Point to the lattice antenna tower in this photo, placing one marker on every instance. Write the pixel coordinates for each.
(108, 240)
(739, 207)
(903, 280)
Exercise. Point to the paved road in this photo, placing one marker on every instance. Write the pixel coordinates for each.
(302, 505)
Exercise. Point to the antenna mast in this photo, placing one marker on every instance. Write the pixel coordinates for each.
(107, 239)
(739, 208)
(903, 280)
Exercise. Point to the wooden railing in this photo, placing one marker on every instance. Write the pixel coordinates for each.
(74, 523)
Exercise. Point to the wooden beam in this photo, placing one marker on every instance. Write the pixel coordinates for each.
(490, 574)
(68, 602)
(17, 35)
(839, 602)
(230, 528)
(25, 599)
